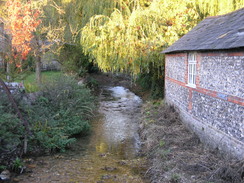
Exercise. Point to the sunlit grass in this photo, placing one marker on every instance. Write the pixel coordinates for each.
(30, 80)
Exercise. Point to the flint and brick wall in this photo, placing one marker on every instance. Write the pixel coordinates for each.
(215, 108)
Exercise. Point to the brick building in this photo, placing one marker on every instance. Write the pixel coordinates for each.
(204, 80)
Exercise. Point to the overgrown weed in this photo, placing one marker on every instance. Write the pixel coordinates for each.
(175, 154)
(60, 110)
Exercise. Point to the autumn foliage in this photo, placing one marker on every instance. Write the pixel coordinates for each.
(22, 22)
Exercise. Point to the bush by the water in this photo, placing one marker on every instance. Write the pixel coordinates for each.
(76, 62)
(152, 81)
(11, 131)
(61, 110)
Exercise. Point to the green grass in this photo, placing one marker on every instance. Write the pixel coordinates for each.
(47, 75)
(30, 80)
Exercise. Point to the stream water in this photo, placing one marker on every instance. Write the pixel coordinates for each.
(108, 155)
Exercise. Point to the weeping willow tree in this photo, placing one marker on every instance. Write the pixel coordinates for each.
(2, 8)
(216, 7)
(132, 40)
(62, 22)
(132, 36)
(65, 18)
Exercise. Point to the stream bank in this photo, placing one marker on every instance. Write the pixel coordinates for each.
(172, 154)
(111, 153)
(176, 155)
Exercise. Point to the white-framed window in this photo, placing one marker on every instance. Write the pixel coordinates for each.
(192, 69)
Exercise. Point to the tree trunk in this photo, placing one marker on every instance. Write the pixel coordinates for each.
(20, 116)
(8, 72)
(38, 71)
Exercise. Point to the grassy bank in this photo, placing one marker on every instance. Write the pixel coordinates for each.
(29, 79)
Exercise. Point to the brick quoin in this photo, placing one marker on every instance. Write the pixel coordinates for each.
(236, 54)
(232, 99)
(212, 54)
(177, 55)
(190, 100)
(198, 66)
(228, 53)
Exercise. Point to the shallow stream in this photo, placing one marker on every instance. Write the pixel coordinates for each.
(108, 155)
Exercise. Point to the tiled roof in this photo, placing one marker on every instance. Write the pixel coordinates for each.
(213, 33)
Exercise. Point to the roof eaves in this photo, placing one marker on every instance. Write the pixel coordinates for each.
(202, 50)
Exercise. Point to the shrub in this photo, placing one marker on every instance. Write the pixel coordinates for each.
(152, 81)
(11, 131)
(61, 110)
(75, 61)
(144, 80)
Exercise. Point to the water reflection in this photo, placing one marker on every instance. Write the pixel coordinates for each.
(108, 155)
(120, 122)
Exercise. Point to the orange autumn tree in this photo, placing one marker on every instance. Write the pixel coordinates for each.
(22, 23)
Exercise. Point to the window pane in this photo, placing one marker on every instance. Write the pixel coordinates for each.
(192, 73)
(192, 68)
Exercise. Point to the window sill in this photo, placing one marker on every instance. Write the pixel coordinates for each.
(191, 85)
